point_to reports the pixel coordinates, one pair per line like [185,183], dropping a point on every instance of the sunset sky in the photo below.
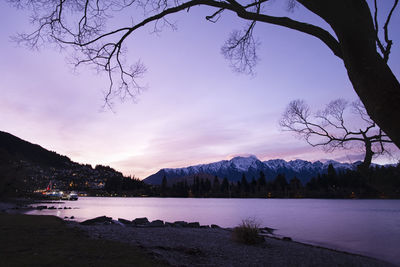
[195,108]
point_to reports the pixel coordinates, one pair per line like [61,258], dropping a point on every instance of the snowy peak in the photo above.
[251,166]
[244,163]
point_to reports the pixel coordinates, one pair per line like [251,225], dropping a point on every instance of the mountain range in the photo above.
[251,167]
[14,149]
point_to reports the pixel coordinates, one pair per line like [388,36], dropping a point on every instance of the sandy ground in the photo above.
[214,247]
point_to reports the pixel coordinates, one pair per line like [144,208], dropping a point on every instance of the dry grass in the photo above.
[46,241]
[247,233]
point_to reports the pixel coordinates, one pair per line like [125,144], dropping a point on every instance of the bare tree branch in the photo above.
[82,26]
[385,49]
[327,128]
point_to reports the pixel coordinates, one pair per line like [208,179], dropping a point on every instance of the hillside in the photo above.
[26,167]
[13,148]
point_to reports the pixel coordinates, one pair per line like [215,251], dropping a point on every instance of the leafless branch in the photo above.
[385,49]
[82,26]
[327,128]
[240,49]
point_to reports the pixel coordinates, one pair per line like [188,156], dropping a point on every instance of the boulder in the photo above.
[267,230]
[193,225]
[140,221]
[97,220]
[286,238]
[123,221]
[72,217]
[180,224]
[204,226]
[157,223]
[169,224]
[41,207]
[214,226]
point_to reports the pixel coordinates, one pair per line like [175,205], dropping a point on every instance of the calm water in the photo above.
[367,227]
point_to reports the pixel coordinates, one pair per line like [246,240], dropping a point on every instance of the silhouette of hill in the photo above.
[13,148]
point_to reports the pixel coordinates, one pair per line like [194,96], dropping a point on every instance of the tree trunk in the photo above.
[368,155]
[372,79]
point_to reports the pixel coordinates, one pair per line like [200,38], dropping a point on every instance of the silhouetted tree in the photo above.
[261,180]
[216,185]
[164,185]
[280,182]
[244,184]
[225,185]
[83,25]
[328,128]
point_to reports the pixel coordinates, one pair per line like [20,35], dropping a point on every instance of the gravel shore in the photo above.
[214,247]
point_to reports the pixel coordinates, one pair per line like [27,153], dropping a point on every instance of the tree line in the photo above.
[376,182]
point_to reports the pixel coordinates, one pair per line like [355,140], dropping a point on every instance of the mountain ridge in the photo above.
[251,167]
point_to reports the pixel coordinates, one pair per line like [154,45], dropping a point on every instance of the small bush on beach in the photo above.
[247,233]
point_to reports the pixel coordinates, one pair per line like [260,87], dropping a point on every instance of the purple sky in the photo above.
[195,110]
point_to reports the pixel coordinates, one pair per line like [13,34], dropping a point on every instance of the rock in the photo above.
[41,207]
[180,224]
[101,219]
[204,226]
[214,226]
[140,221]
[123,221]
[157,223]
[72,217]
[52,208]
[118,223]
[267,230]
[65,217]
[169,224]
[65,208]
[193,225]
[286,238]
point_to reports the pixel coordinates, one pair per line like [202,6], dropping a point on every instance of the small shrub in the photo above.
[247,233]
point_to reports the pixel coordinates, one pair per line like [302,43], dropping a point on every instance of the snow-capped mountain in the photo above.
[251,166]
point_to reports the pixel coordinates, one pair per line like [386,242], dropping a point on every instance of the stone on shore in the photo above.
[157,223]
[193,225]
[140,221]
[123,221]
[98,220]
[180,224]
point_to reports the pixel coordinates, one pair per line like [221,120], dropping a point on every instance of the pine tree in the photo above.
[261,180]
[164,185]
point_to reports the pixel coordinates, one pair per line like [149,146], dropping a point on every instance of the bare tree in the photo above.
[332,129]
[82,24]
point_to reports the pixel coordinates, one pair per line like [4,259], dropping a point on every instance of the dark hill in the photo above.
[16,149]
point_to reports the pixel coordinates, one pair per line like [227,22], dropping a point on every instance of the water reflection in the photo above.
[369,227]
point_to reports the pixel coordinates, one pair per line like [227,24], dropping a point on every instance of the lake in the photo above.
[367,227]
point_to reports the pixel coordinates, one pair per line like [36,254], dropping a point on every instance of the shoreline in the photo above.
[181,246]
